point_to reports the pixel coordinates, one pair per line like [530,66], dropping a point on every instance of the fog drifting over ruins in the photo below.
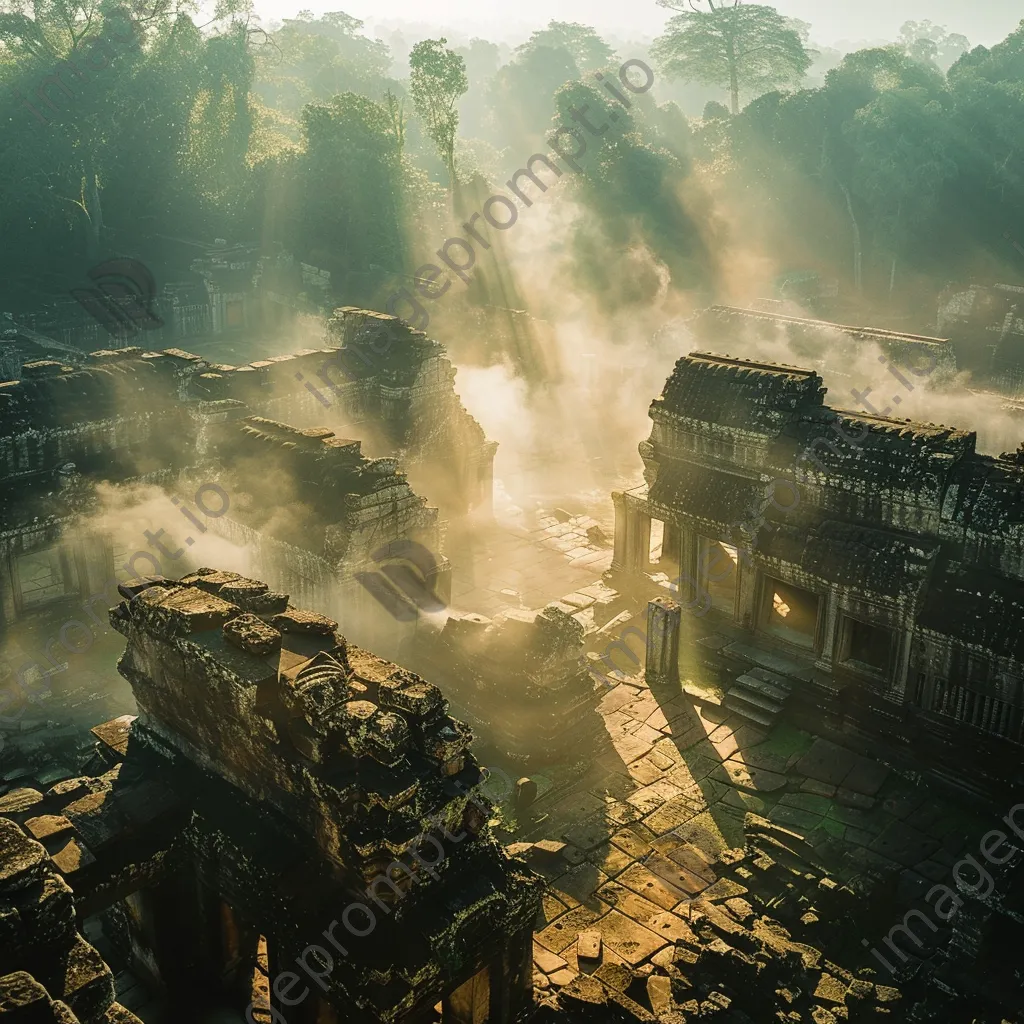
[512,516]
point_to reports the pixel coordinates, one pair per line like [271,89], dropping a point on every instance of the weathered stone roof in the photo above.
[883,451]
[69,396]
[894,462]
[279,466]
[853,555]
[738,392]
[986,496]
[388,345]
[707,494]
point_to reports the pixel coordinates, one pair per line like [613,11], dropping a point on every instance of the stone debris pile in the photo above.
[50,973]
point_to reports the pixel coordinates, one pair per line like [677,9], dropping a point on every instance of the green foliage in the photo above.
[217,143]
[521,97]
[310,59]
[742,48]
[630,189]
[349,177]
[437,80]
[932,44]
[482,60]
[1004,62]
[887,172]
[882,165]
[589,52]
[903,159]
[69,67]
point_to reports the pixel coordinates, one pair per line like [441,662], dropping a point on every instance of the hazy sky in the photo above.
[982,21]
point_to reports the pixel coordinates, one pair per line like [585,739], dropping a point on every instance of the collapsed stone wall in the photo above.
[521,678]
[343,762]
[49,972]
[772,936]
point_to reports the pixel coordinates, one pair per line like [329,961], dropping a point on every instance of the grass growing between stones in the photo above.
[785,740]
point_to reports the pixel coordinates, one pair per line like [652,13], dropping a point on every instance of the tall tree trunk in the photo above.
[734,80]
[858,255]
[449,159]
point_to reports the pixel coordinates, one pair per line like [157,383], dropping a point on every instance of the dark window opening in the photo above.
[45,576]
[790,613]
[866,645]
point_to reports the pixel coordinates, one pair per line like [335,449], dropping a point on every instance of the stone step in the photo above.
[772,678]
[749,681]
[748,711]
[755,699]
[772,661]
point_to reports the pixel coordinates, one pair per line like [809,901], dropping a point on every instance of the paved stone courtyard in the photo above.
[692,844]
[645,841]
[526,562]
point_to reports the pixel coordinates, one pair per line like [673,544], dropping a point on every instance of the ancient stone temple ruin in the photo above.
[382,381]
[521,679]
[986,325]
[48,972]
[319,513]
[863,567]
[63,428]
[280,788]
[325,522]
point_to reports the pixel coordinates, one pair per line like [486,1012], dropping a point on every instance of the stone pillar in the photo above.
[901,665]
[640,547]
[689,581]
[826,660]
[485,476]
[237,950]
[470,1003]
[293,996]
[183,937]
[632,535]
[663,622]
[181,940]
[747,586]
[8,602]
[526,793]
[439,582]
[619,556]
[516,990]
[10,362]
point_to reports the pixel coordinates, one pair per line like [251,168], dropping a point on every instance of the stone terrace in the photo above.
[697,829]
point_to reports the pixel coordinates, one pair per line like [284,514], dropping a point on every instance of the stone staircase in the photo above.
[759,696]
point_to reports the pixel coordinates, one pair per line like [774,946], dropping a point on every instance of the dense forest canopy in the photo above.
[890,169]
